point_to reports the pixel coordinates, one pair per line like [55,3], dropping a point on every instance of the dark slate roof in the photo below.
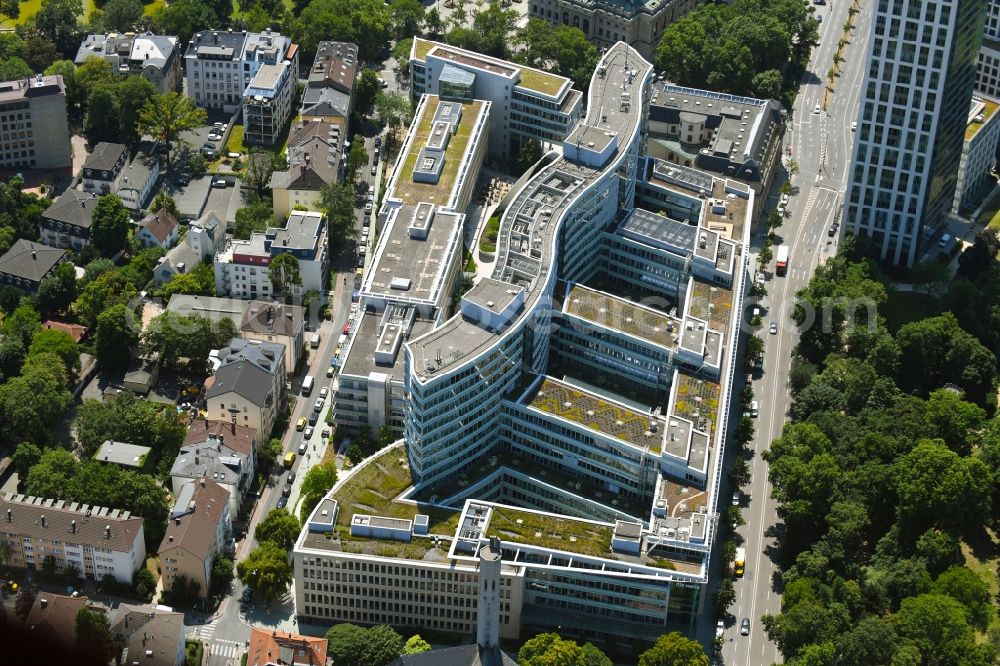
[105,156]
[30,261]
[26,513]
[244,378]
[73,207]
[276,318]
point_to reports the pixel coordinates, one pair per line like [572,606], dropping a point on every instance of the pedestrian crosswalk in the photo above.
[215,647]
[224,648]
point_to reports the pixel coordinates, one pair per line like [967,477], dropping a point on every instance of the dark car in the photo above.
[291,476]
[745,626]
[832,231]
[313,418]
[378,140]
[282,502]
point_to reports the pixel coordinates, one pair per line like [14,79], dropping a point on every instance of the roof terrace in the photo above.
[980,106]
[712,304]
[609,418]
[621,315]
[698,401]
[409,191]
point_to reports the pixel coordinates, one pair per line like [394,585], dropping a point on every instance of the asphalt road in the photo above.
[226,632]
[821,144]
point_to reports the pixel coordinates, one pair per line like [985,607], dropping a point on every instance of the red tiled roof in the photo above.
[268,646]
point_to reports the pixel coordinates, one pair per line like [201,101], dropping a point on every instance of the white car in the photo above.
[323,392]
[854,126]
[816,109]
[308,433]
[784,199]
[720,629]
[774,327]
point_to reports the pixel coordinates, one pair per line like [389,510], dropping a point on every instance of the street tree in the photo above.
[674,649]
[284,271]
[317,482]
[382,646]
[165,116]
[337,199]
[133,93]
[724,596]
[222,574]
[279,527]
[393,112]
[266,570]
[365,90]
[357,160]
[550,648]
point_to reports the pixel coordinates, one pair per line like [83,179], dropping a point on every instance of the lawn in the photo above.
[982,560]
[30,7]
[902,307]
[235,142]
[153,564]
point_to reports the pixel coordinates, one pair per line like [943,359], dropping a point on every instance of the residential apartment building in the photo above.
[565,415]
[26,264]
[148,635]
[156,58]
[139,178]
[97,541]
[52,619]
[316,158]
[639,23]
[222,452]
[248,386]
[266,321]
[525,103]
[160,229]
[34,128]
[269,647]
[329,94]
[205,237]
[267,104]
[197,529]
[66,222]
[979,154]
[242,268]
[103,169]
[911,122]
[220,65]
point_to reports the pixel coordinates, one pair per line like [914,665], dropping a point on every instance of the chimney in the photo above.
[44,603]
[34,253]
[107,531]
[43,520]
[72,526]
[10,516]
[170,538]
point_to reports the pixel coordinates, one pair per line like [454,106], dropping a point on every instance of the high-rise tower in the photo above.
[912,119]
[488,612]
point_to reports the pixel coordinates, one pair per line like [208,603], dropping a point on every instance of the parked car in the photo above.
[330,371]
[374,169]
[220,182]
[368,208]
[378,142]
[313,418]
[720,628]
[346,329]
[323,392]
[318,406]
[287,490]
[291,476]
[308,433]
[282,502]
[736,498]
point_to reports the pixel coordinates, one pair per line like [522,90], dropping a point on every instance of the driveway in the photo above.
[191,198]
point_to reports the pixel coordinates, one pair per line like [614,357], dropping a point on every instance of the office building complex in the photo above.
[911,122]
[732,136]
[568,413]
[153,57]
[97,541]
[242,268]
[34,129]
[978,154]
[220,65]
[525,103]
[639,23]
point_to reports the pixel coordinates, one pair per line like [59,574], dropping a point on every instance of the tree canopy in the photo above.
[891,459]
[278,527]
[266,570]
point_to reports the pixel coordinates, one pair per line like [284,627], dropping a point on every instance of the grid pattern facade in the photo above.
[912,121]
